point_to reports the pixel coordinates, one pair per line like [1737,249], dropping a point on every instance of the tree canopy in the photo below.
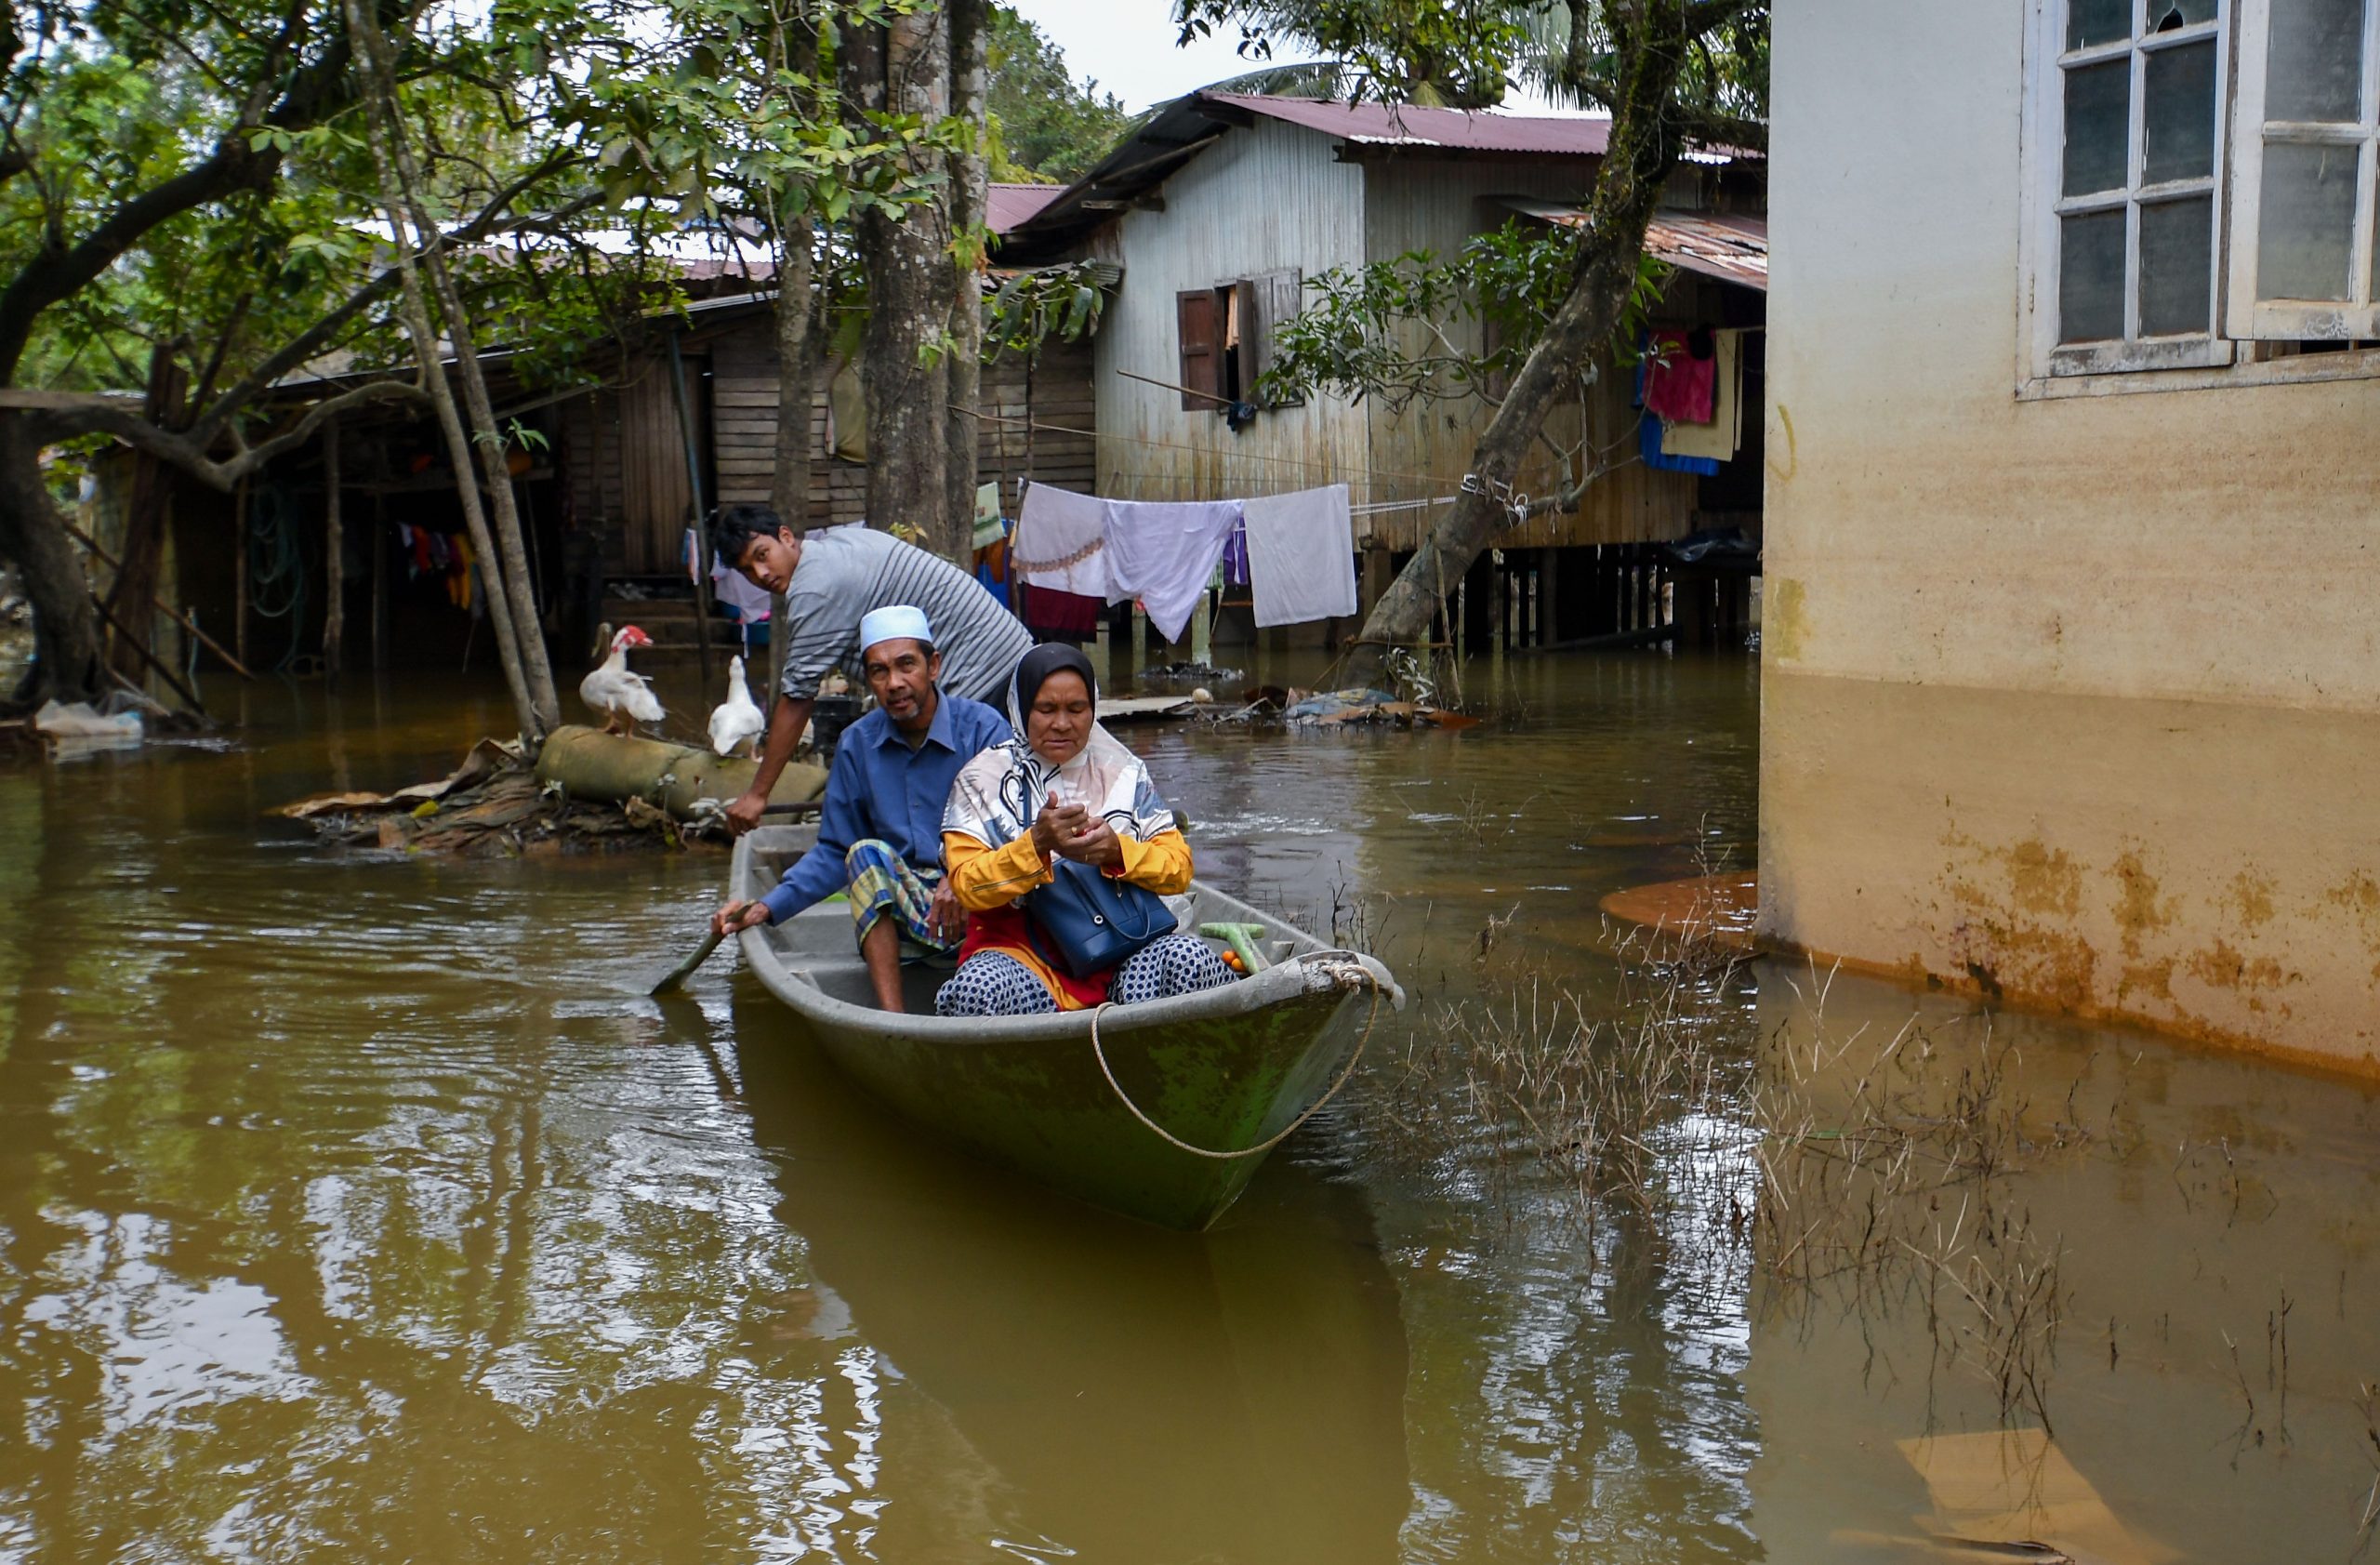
[1051,127]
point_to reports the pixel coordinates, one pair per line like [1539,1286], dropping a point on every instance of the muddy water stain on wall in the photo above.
[2006,842]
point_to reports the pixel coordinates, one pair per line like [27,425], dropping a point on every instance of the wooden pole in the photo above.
[380,582]
[240,570]
[694,489]
[187,624]
[125,638]
[333,549]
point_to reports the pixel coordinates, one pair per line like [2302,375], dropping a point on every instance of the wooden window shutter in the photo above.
[1202,358]
[1266,303]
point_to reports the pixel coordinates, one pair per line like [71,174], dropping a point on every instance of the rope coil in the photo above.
[1287,1131]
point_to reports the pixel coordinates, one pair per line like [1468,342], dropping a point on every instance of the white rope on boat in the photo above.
[1287,1131]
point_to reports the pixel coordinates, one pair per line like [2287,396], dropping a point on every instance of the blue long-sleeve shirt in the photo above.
[880,787]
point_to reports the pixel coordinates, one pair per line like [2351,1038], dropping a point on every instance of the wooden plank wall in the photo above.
[626,469]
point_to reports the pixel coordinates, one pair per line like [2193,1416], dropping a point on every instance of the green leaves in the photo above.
[1420,328]
[1031,307]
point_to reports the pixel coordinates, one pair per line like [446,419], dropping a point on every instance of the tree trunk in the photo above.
[505,569]
[969,72]
[904,69]
[67,661]
[381,130]
[1628,186]
[798,361]
[148,509]
[334,553]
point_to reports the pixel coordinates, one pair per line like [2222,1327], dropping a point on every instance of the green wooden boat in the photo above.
[1103,1107]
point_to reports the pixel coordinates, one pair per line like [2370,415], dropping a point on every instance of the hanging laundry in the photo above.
[990,525]
[1233,569]
[1070,616]
[992,559]
[1302,556]
[1163,552]
[421,563]
[1677,385]
[1720,437]
[1060,542]
[1649,436]
[459,573]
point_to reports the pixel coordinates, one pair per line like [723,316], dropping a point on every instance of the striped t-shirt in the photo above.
[846,572]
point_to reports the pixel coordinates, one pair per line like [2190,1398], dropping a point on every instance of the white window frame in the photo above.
[2043,163]
[2244,315]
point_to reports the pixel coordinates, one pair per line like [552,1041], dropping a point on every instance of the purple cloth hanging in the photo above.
[1236,556]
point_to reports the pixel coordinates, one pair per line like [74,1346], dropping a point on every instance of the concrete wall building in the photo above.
[2072,644]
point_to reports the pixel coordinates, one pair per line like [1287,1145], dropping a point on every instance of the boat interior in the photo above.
[818,945]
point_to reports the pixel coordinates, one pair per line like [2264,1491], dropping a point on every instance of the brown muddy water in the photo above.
[359,1207]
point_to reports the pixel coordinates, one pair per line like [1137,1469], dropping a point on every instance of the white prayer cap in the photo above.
[892,622]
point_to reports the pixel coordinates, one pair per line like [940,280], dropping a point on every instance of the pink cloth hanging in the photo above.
[1678,386]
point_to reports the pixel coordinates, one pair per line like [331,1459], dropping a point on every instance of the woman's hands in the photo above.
[1071,832]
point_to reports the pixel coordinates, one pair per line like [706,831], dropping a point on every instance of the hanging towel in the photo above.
[1648,435]
[1302,556]
[1724,434]
[1678,384]
[1164,553]
[1068,614]
[1060,542]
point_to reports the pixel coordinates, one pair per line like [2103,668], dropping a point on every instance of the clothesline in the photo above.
[1370,507]
[1295,552]
[1307,464]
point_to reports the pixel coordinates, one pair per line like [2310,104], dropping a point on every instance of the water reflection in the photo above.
[1119,1391]
[361,1206]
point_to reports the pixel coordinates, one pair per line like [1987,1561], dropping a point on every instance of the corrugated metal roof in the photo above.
[1730,247]
[1485,130]
[1006,206]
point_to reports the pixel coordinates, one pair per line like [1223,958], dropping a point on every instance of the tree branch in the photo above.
[315,338]
[63,415]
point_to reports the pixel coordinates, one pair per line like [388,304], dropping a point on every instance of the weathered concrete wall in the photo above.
[2070,698]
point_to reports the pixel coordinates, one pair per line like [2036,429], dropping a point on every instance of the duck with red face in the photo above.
[617,693]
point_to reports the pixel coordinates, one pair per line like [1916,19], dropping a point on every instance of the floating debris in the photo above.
[497,805]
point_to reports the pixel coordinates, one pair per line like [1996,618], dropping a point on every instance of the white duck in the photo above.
[735,722]
[623,696]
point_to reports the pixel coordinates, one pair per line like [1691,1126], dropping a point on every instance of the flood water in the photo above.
[359,1206]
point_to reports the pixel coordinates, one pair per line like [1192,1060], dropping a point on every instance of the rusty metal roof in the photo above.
[1727,245]
[1006,206]
[1485,131]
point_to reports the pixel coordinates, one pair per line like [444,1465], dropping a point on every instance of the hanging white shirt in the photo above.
[1061,541]
[1164,553]
[1302,556]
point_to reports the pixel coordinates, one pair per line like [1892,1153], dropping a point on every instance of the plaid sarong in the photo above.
[884,884]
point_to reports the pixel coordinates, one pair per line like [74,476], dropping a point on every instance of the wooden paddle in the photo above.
[685,969]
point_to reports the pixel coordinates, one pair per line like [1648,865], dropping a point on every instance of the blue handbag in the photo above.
[1090,923]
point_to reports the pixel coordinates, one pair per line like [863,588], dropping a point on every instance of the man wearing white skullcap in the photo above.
[879,830]
[825,582]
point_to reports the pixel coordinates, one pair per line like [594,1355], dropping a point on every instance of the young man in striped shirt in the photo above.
[830,579]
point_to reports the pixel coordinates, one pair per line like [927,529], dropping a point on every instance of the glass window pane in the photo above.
[2308,224]
[2090,277]
[2098,126]
[2096,21]
[2177,113]
[2177,267]
[2167,16]
[2315,69]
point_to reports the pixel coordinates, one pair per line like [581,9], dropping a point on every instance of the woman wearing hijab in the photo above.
[1061,789]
